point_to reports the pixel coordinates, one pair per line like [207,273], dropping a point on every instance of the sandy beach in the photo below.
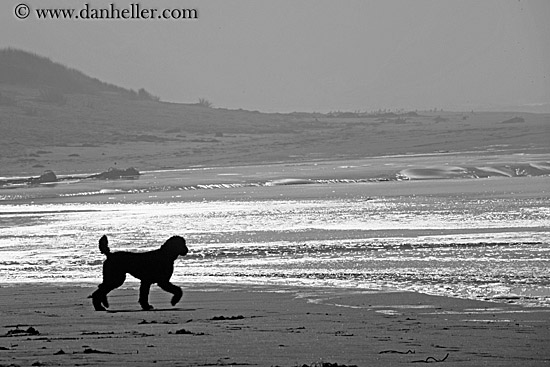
[230,326]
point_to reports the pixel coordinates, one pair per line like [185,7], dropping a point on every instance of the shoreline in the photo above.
[124,192]
[319,287]
[228,325]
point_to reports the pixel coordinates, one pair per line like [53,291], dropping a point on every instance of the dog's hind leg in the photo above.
[99,297]
[144,296]
[174,289]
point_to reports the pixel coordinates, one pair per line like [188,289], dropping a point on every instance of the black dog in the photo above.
[150,267]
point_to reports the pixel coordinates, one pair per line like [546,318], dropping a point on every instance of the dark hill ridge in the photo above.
[23,68]
[56,118]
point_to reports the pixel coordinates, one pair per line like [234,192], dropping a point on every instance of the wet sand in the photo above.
[225,325]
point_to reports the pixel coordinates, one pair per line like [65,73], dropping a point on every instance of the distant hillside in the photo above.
[19,67]
[56,118]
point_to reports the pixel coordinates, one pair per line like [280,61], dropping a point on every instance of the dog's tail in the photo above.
[104,246]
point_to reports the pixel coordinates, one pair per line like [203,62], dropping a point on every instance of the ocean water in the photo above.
[459,241]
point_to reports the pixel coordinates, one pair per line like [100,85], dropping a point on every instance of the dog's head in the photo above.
[175,246]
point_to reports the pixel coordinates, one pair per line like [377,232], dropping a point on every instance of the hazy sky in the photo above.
[313,55]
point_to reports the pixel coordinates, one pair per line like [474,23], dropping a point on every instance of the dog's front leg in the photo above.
[99,298]
[174,289]
[144,296]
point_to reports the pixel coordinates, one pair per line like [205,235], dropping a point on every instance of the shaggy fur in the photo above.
[152,267]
